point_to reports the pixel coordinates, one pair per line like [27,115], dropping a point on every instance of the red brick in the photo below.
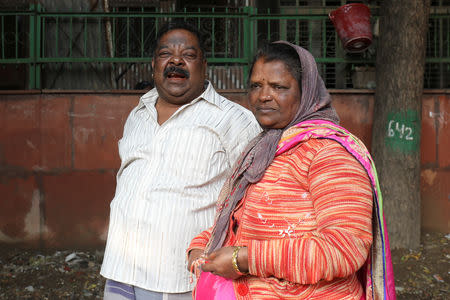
[435,194]
[19,209]
[444,132]
[97,127]
[77,208]
[428,135]
[355,112]
[56,133]
[19,134]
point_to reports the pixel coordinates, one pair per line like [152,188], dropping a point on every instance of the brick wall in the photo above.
[58,160]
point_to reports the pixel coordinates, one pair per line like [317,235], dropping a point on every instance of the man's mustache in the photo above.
[175,70]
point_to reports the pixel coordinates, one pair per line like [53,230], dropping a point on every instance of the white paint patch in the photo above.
[31,145]
[104,234]
[83,134]
[90,115]
[7,239]
[32,219]
[32,222]
[39,168]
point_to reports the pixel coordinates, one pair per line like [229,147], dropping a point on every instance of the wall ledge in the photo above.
[230,91]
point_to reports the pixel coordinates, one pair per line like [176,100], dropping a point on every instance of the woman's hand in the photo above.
[194,254]
[219,262]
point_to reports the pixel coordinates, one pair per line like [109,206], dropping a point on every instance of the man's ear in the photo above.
[153,64]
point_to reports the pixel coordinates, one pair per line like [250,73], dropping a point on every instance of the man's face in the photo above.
[179,67]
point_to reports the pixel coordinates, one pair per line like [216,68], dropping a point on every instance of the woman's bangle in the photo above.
[234,261]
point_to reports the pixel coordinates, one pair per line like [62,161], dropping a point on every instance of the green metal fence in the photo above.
[114,48]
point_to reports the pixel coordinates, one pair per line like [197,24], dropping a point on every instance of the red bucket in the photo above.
[352,23]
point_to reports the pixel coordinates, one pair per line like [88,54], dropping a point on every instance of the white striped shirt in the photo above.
[169,172]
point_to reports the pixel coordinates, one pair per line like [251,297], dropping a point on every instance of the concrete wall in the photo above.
[58,160]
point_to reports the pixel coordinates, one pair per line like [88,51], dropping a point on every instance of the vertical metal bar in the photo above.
[297,31]
[38,47]
[99,52]
[213,34]
[142,32]
[112,19]
[435,37]
[70,36]
[56,35]
[283,27]
[32,41]
[16,18]
[248,39]
[448,39]
[85,37]
[114,35]
[226,32]
[240,23]
[198,20]
[253,35]
[324,38]
[43,36]
[128,33]
[434,48]
[3,36]
[310,38]
[324,49]
[441,53]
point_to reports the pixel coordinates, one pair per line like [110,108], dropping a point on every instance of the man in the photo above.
[177,147]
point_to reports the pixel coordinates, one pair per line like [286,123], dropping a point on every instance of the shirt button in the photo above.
[242,289]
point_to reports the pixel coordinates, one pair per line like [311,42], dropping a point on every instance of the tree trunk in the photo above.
[397,115]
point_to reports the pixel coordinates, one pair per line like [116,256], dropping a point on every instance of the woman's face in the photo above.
[274,94]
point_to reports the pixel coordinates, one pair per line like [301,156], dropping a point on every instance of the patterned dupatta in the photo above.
[379,275]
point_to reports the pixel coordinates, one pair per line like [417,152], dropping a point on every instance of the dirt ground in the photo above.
[69,274]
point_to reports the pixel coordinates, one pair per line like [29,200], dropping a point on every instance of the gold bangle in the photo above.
[234,261]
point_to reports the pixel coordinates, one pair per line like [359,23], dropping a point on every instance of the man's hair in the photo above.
[284,53]
[180,24]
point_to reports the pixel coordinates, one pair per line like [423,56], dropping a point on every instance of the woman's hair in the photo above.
[281,52]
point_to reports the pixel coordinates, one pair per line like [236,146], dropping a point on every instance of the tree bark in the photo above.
[400,67]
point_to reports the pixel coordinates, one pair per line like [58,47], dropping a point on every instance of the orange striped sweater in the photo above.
[307,225]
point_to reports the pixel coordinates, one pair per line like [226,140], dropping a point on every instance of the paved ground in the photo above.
[70,274]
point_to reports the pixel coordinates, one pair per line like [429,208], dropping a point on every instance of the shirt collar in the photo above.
[209,94]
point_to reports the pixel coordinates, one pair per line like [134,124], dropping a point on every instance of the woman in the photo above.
[294,220]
